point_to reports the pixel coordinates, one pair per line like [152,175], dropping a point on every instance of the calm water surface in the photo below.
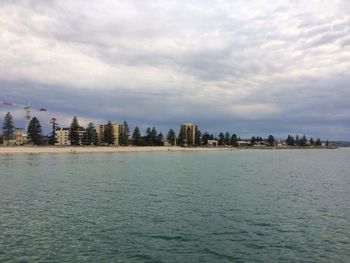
[234,206]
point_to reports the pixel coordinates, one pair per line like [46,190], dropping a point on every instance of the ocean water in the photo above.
[234,206]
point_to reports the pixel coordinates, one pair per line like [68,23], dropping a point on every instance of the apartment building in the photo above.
[117,132]
[187,134]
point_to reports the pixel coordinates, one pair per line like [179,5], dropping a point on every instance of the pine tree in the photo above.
[302,141]
[8,128]
[171,136]
[125,134]
[198,136]
[318,142]
[271,140]
[221,139]
[52,138]
[181,138]
[74,136]
[234,141]
[108,136]
[312,142]
[34,131]
[159,140]
[290,140]
[205,138]
[227,138]
[136,137]
[91,135]
[253,141]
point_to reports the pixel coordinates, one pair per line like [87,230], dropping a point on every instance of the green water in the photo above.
[235,206]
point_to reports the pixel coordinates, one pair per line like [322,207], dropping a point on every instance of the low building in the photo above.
[212,143]
[62,136]
[21,138]
[243,143]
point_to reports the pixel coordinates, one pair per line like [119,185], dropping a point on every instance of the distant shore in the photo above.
[101,149]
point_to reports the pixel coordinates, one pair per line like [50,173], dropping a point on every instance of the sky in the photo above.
[250,67]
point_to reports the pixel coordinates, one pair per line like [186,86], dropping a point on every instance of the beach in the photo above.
[100,149]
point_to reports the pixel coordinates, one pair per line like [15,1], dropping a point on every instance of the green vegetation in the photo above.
[74,136]
[8,128]
[108,135]
[52,137]
[34,132]
[171,137]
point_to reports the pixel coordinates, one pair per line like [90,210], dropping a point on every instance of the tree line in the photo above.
[78,135]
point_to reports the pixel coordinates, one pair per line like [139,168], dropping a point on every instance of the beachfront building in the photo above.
[21,137]
[117,132]
[62,136]
[187,135]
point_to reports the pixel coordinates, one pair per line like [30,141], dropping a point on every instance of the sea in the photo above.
[205,206]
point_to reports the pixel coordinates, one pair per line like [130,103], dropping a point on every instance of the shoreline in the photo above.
[101,149]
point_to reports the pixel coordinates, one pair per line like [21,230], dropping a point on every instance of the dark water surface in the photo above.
[235,206]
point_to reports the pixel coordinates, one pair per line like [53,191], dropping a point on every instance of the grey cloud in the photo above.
[216,54]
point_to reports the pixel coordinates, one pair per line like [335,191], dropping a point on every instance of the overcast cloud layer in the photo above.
[250,67]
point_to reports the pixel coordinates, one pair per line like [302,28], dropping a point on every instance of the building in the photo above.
[21,138]
[62,136]
[212,143]
[117,129]
[187,135]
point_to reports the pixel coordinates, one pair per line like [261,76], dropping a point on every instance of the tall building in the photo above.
[187,135]
[117,131]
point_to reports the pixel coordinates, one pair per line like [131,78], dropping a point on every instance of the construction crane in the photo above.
[27,109]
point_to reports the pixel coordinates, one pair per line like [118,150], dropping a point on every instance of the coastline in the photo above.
[101,149]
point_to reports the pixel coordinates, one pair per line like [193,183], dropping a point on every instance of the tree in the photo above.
[124,140]
[221,139]
[136,137]
[91,135]
[234,141]
[159,140]
[205,138]
[227,138]
[312,142]
[302,141]
[271,140]
[74,136]
[318,142]
[8,128]
[171,136]
[327,143]
[108,135]
[181,138]
[34,131]
[297,141]
[52,138]
[253,141]
[290,140]
[198,136]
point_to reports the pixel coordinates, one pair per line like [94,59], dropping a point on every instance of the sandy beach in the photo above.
[87,149]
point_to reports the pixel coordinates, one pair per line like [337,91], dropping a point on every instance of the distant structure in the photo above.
[187,135]
[117,130]
[21,137]
[62,136]
[213,143]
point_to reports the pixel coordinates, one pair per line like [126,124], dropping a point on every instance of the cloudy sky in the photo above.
[252,67]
